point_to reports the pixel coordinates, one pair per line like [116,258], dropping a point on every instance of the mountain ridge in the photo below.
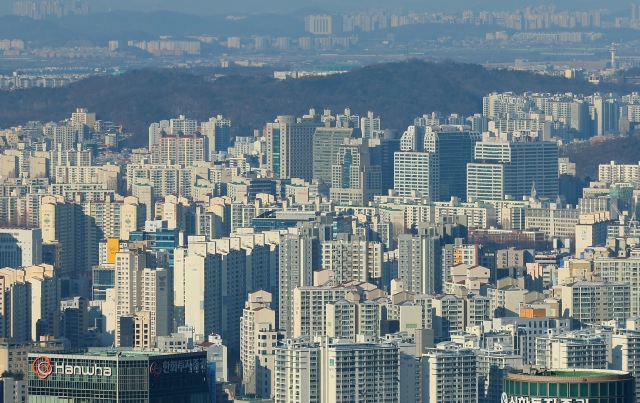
[397,92]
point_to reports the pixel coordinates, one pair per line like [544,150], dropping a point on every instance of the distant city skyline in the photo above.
[211,7]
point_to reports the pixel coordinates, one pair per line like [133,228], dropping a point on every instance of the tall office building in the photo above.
[290,146]
[511,165]
[417,173]
[218,131]
[382,148]
[355,180]
[605,113]
[452,150]
[326,141]
[369,125]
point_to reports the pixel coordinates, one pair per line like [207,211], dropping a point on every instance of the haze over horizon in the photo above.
[211,7]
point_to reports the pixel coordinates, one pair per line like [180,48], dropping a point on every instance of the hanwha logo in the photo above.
[155,368]
[41,366]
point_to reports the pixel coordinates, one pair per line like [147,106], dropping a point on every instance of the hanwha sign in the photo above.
[155,368]
[41,366]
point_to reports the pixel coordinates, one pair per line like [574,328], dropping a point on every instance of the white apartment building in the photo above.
[197,278]
[309,307]
[155,132]
[505,301]
[478,310]
[127,266]
[83,116]
[590,302]
[359,372]
[340,320]
[369,125]
[492,366]
[419,262]
[64,138]
[625,346]
[449,316]
[479,214]
[297,372]
[107,174]
[184,125]
[258,339]
[182,150]
[617,173]
[625,270]
[20,247]
[449,375]
[353,260]
[554,221]
[13,390]
[218,309]
[70,157]
[164,179]
[318,24]
[296,270]
[155,297]
[577,349]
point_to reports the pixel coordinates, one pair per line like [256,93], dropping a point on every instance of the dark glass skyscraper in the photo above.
[453,150]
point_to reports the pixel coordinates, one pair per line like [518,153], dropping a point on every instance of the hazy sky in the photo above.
[226,6]
[208,7]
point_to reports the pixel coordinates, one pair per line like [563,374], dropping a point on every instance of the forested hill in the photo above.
[397,92]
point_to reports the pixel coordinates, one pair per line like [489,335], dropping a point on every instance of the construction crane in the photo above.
[633,223]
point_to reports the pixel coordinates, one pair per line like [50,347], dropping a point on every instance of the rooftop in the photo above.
[97,352]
